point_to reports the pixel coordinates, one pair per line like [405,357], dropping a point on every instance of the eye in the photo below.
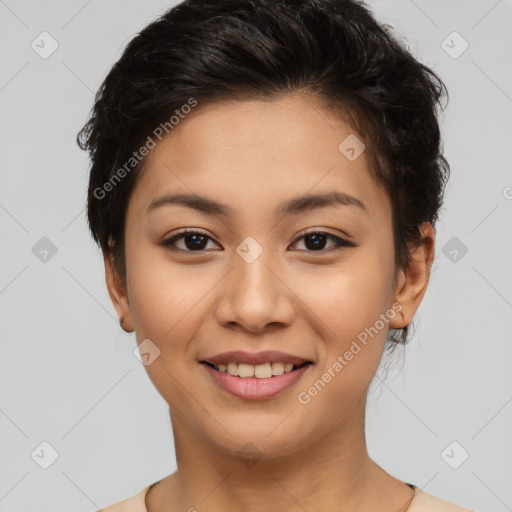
[194,241]
[316,240]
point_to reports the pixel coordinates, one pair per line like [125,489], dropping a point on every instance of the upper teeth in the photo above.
[260,371]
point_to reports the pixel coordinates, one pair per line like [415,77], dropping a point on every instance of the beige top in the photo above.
[422,502]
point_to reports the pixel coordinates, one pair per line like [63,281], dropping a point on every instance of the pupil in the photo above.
[198,241]
[317,241]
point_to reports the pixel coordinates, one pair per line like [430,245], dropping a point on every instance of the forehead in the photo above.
[253,154]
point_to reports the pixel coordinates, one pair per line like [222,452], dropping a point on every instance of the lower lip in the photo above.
[252,388]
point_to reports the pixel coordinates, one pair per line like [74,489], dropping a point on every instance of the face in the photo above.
[313,281]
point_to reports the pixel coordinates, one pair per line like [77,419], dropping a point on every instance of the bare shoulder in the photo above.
[424,502]
[135,503]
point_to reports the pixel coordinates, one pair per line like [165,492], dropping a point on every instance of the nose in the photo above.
[255,296]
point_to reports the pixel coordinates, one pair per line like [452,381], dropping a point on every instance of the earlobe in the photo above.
[412,282]
[117,293]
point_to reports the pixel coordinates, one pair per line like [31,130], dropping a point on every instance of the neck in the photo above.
[333,473]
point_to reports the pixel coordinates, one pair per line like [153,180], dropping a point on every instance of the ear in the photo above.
[412,282]
[118,293]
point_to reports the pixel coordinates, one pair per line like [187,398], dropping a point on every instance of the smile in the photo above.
[255,382]
[259,371]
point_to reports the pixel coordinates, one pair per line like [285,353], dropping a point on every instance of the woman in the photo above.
[265,181]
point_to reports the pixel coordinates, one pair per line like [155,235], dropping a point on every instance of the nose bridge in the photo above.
[253,274]
[252,294]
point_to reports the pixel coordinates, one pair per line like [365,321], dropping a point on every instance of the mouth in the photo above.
[268,370]
[255,376]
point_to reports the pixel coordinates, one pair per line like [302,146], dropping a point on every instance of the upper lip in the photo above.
[267,356]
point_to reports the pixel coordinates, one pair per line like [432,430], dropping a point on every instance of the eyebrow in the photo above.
[292,206]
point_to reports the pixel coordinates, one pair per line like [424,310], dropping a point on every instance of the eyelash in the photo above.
[340,242]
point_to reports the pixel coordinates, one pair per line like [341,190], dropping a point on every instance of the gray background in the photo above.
[68,373]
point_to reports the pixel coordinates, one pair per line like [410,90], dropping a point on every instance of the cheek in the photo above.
[163,301]
[162,295]
[350,297]
[348,302]
[354,339]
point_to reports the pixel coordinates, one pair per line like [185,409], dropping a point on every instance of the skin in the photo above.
[252,155]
